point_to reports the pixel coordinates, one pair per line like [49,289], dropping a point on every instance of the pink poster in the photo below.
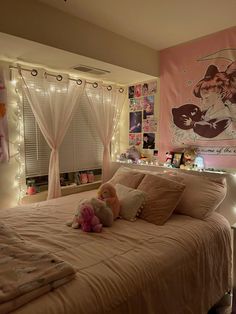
[198,96]
[4,156]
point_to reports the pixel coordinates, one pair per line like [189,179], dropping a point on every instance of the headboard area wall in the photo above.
[227,208]
[198,98]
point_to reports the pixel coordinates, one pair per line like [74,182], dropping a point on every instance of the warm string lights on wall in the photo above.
[115,141]
[19,181]
[15,71]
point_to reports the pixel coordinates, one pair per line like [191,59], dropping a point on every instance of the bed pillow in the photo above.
[127,177]
[202,195]
[163,196]
[131,201]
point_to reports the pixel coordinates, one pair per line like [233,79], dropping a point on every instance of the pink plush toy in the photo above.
[87,219]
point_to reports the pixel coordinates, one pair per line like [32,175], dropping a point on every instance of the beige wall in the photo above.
[32,20]
[35,21]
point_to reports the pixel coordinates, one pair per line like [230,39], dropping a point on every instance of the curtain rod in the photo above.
[59,77]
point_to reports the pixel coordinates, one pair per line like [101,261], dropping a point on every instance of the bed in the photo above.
[183,266]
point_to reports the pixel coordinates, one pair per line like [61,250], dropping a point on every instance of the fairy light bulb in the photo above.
[14,82]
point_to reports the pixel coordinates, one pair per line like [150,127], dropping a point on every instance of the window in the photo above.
[81,148]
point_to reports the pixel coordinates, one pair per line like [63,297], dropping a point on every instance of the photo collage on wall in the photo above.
[142,115]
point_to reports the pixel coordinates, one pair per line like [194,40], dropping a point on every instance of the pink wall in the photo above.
[179,73]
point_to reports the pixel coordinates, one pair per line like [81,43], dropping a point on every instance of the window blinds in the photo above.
[81,148]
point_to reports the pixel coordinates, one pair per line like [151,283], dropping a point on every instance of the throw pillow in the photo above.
[163,196]
[202,195]
[127,177]
[131,201]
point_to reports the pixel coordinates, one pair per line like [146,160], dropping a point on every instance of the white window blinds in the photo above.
[81,148]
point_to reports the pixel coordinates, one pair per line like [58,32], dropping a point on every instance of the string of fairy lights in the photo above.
[19,155]
[115,141]
[18,142]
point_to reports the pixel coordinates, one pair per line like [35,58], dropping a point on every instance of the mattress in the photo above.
[137,267]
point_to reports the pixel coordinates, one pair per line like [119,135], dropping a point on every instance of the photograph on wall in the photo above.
[149,125]
[135,139]
[145,89]
[131,91]
[135,122]
[135,104]
[148,106]
[138,90]
[149,140]
[152,87]
[4,150]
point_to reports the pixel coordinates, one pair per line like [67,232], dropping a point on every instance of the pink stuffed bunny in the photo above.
[87,219]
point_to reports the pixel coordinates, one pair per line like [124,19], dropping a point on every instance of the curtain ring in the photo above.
[79,82]
[95,84]
[121,90]
[109,88]
[34,72]
[59,77]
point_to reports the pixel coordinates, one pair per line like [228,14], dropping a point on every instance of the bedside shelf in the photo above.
[65,190]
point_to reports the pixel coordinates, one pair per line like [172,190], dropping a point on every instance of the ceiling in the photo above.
[155,23]
[26,52]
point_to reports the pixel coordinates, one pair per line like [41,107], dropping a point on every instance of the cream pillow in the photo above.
[131,201]
[127,177]
[163,196]
[202,195]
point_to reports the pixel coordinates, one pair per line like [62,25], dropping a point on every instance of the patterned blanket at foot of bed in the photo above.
[27,271]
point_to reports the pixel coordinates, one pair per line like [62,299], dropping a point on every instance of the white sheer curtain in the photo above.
[53,103]
[106,103]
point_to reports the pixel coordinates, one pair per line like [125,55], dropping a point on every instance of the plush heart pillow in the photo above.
[131,201]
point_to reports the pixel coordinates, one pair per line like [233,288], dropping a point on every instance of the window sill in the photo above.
[65,190]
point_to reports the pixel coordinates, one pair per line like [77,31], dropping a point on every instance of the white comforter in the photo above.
[133,267]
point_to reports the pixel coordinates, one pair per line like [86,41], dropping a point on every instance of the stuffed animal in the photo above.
[199,163]
[169,157]
[106,207]
[87,219]
[107,193]
[133,153]
[75,222]
[102,211]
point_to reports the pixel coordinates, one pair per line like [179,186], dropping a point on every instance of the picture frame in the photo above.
[177,159]
[155,153]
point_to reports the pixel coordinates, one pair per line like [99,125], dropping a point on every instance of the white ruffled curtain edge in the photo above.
[54,189]
[106,140]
